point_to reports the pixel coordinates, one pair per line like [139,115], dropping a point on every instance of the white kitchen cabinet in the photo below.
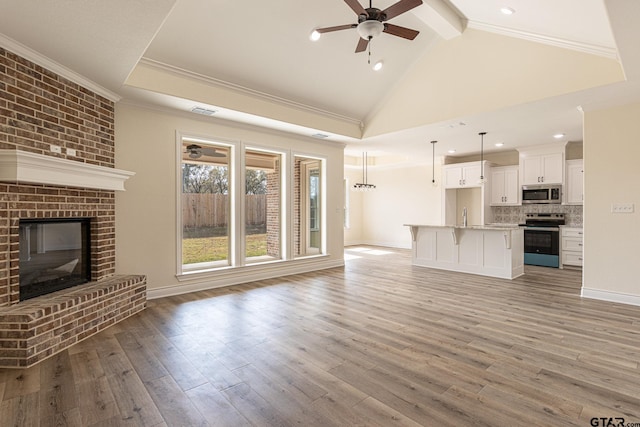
[462,175]
[505,188]
[575,182]
[571,246]
[543,169]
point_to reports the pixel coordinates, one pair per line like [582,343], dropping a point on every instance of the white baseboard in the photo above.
[235,276]
[397,245]
[610,296]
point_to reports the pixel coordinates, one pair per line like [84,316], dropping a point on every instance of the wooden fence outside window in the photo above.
[211,210]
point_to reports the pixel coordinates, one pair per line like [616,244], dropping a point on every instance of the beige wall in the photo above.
[612,175]
[498,158]
[353,234]
[403,196]
[146,232]
[481,71]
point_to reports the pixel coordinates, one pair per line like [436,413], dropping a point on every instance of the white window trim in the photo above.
[237,237]
[233,147]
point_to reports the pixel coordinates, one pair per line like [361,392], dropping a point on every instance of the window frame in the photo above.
[237,187]
[232,146]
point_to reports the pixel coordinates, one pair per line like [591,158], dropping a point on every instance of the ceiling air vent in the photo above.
[203,111]
[319,135]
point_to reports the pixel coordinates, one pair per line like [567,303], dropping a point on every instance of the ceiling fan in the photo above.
[372,22]
[196,151]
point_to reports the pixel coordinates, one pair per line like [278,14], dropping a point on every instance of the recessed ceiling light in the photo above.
[451,151]
[314,36]
[507,10]
[499,144]
[558,135]
[378,66]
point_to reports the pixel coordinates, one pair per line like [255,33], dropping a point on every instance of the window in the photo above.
[309,212]
[263,184]
[205,205]
[244,205]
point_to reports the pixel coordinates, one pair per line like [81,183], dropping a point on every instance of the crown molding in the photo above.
[24,166]
[37,58]
[246,91]
[607,52]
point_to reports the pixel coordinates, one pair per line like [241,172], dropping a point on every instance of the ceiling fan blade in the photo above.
[362,45]
[211,152]
[396,30]
[336,28]
[400,7]
[357,7]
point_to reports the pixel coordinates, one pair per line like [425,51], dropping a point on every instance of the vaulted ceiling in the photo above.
[519,77]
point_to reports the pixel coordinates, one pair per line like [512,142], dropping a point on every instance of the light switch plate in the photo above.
[622,207]
[55,149]
[71,152]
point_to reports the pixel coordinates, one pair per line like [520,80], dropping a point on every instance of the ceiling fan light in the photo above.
[378,66]
[370,28]
[314,36]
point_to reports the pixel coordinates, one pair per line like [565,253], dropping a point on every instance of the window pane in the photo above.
[308,206]
[205,205]
[262,206]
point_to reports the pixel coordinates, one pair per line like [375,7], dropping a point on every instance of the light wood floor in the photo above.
[378,343]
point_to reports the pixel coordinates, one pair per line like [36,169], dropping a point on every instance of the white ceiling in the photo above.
[264,47]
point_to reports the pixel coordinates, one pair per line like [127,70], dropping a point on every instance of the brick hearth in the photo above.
[40,327]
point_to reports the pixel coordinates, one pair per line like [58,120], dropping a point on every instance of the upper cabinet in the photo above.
[462,175]
[543,169]
[574,193]
[505,188]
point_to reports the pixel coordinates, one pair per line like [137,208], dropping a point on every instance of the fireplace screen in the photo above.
[54,255]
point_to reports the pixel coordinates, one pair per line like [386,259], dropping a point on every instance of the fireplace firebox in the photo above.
[54,255]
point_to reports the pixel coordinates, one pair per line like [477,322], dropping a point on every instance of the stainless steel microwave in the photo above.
[541,194]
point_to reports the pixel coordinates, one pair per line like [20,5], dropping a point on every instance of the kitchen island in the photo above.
[488,250]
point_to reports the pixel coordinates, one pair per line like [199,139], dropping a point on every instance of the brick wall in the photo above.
[296,206]
[273,211]
[37,109]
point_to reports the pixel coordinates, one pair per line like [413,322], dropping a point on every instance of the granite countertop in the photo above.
[500,227]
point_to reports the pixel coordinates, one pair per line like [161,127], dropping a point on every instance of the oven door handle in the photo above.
[542,228]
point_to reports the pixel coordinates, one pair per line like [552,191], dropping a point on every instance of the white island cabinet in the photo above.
[496,251]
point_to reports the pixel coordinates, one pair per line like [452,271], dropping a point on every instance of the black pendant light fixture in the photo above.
[482,134]
[433,163]
[364,186]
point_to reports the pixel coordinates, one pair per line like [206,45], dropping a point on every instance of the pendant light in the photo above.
[482,134]
[433,163]
[363,186]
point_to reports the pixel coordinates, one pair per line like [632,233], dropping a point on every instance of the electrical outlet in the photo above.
[71,152]
[55,149]
[622,207]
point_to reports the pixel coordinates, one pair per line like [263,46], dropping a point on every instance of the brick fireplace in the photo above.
[49,117]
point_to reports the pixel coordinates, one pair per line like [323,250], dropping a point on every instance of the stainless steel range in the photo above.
[542,239]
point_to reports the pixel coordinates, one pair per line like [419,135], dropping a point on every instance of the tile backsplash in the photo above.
[516,214]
